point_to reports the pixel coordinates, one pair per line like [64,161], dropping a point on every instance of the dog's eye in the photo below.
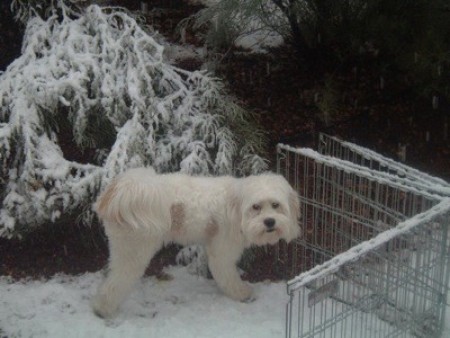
[275,205]
[256,207]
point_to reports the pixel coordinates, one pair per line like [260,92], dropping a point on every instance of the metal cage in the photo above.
[373,260]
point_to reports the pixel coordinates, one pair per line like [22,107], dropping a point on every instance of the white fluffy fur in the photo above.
[141,211]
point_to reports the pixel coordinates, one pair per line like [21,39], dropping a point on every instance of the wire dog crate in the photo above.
[373,260]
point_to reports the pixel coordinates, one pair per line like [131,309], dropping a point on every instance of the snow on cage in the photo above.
[374,259]
[90,96]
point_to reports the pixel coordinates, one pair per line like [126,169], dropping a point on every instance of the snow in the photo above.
[185,306]
[255,26]
[259,40]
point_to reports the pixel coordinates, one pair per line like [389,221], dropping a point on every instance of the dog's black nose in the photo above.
[269,222]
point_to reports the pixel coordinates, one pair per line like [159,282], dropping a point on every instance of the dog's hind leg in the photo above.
[130,254]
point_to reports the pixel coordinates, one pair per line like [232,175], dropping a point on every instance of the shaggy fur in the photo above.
[141,211]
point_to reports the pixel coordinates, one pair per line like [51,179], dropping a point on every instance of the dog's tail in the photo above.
[132,200]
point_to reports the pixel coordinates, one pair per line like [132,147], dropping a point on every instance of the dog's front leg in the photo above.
[222,259]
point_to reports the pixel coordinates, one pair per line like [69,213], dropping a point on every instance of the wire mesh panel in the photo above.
[332,146]
[373,258]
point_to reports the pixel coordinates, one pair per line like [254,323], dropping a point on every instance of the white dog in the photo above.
[141,211]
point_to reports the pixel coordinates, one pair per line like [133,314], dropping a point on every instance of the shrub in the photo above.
[95,83]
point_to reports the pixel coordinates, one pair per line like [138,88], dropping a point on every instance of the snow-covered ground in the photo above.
[185,306]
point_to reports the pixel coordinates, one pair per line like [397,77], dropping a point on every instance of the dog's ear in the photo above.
[294,212]
[234,204]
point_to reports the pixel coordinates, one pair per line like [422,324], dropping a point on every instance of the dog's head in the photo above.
[269,209]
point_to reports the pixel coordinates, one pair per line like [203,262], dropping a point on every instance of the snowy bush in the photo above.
[25,9]
[96,82]
[251,24]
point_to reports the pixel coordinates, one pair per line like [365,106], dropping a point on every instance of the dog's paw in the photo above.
[242,293]
[102,308]
[249,300]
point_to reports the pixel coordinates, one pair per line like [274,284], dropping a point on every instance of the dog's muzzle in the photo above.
[270,224]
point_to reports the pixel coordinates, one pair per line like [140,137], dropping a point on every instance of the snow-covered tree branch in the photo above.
[102,75]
